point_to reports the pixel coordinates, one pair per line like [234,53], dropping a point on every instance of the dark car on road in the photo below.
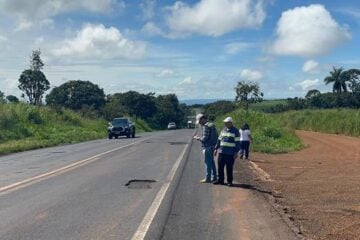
[121,127]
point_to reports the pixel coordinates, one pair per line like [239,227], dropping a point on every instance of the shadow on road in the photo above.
[122,138]
[251,187]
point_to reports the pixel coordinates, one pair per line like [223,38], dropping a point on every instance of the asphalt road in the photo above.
[78,192]
[205,211]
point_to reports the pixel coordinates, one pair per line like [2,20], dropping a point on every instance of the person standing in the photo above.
[245,140]
[227,148]
[208,140]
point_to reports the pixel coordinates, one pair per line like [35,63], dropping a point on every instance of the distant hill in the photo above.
[190,102]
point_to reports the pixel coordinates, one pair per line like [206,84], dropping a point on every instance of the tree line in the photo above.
[345,93]
[90,100]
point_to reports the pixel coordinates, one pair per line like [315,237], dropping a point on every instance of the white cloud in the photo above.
[236,47]
[307,32]
[308,84]
[352,12]
[214,17]
[10,86]
[36,11]
[186,81]
[166,73]
[310,66]
[185,88]
[39,40]
[148,9]
[250,75]
[3,39]
[204,87]
[151,29]
[97,41]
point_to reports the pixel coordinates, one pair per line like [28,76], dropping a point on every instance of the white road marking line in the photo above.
[66,168]
[149,217]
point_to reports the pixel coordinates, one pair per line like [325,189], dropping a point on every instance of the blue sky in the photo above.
[196,49]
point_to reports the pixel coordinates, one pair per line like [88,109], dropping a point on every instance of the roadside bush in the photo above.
[272,132]
[337,121]
[24,127]
[35,118]
[269,135]
[212,110]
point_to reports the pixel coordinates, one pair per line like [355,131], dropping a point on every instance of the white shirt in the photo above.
[245,135]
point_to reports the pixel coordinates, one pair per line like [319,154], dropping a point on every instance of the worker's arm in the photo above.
[217,146]
[237,143]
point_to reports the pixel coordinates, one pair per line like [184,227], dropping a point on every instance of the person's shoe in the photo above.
[205,181]
[214,180]
[230,184]
[218,183]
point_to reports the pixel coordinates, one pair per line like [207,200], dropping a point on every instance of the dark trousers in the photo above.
[228,161]
[244,149]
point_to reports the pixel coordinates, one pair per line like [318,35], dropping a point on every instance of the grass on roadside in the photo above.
[25,127]
[269,134]
[267,104]
[142,126]
[337,121]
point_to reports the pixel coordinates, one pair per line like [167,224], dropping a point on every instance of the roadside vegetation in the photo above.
[75,111]
[25,127]
[266,105]
[268,133]
[273,122]
[337,121]
[79,110]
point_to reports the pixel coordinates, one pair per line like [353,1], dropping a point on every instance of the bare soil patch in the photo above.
[319,186]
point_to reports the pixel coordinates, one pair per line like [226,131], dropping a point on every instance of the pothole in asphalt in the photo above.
[140,184]
[177,143]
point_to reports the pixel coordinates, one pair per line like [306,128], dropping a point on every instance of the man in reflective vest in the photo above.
[227,147]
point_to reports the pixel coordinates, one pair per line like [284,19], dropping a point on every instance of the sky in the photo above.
[197,49]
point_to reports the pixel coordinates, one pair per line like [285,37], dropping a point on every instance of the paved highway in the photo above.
[92,191]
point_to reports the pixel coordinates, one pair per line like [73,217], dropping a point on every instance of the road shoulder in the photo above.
[205,211]
[317,188]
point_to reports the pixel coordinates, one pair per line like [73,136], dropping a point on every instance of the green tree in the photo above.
[33,81]
[12,99]
[2,97]
[113,107]
[218,108]
[137,104]
[339,78]
[76,95]
[354,78]
[130,103]
[168,110]
[248,92]
[312,93]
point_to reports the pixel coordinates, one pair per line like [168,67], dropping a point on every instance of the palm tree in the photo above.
[339,78]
